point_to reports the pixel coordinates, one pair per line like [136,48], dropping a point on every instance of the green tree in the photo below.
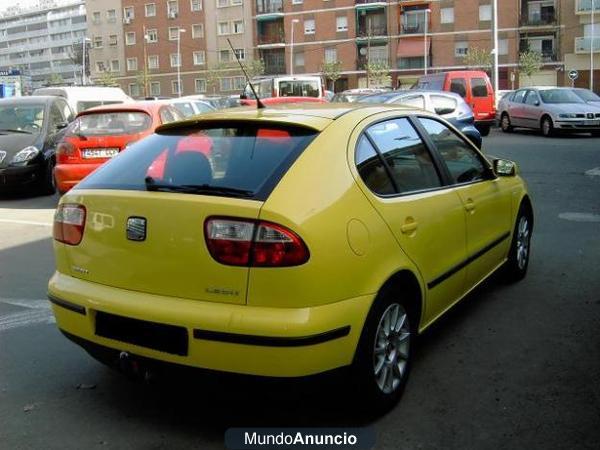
[378,74]
[214,75]
[331,71]
[530,62]
[106,79]
[255,68]
[54,79]
[143,80]
[478,58]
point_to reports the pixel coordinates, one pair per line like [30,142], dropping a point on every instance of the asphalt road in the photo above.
[513,366]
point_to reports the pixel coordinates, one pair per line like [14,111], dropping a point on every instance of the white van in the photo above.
[81,98]
[285,86]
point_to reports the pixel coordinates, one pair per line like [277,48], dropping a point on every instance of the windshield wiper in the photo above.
[152,185]
[14,130]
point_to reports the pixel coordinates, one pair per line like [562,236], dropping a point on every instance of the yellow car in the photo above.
[285,242]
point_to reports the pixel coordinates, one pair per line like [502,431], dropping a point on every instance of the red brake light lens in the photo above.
[238,242]
[66,152]
[69,223]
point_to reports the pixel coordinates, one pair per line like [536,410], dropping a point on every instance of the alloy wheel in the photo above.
[523,238]
[391,348]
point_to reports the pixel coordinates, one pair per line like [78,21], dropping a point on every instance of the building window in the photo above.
[297,2]
[150,9]
[330,54]
[200,85]
[173,32]
[112,40]
[96,17]
[222,3]
[485,13]
[175,60]
[172,8]
[461,48]
[199,58]
[132,64]
[175,88]
[130,38]
[447,15]
[238,27]
[115,66]
[413,62]
[153,62]
[309,26]
[155,88]
[223,28]
[196,5]
[236,2]
[111,16]
[224,56]
[341,23]
[100,67]
[128,13]
[299,59]
[134,90]
[197,31]
[502,46]
[98,42]
[151,35]
[226,84]
[240,53]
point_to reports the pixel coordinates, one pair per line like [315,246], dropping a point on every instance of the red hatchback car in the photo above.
[98,134]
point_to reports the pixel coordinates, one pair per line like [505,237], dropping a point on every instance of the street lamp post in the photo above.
[294,21]
[83,47]
[179,31]
[495,50]
[592,48]
[425,49]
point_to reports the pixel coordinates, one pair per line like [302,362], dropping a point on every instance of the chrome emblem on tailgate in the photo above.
[136,228]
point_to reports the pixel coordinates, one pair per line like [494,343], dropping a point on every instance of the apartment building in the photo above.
[300,35]
[39,41]
[106,41]
[183,45]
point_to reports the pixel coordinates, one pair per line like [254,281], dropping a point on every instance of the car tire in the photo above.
[505,123]
[48,182]
[547,127]
[484,130]
[519,254]
[384,354]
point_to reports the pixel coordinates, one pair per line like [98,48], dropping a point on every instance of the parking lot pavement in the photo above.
[513,366]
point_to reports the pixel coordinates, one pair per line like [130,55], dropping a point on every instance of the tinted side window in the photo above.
[532,98]
[519,96]
[417,101]
[478,87]
[459,86]
[406,155]
[56,116]
[66,109]
[464,164]
[166,115]
[442,103]
[371,168]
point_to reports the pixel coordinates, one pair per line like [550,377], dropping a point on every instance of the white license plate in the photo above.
[90,153]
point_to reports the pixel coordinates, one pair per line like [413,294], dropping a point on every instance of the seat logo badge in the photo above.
[2,155]
[136,229]
[590,115]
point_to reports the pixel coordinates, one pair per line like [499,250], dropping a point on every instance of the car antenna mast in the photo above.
[259,103]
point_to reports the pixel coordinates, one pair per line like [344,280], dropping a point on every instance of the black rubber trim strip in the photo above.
[272,341]
[443,277]
[67,305]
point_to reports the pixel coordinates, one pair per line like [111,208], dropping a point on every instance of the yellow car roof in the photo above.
[312,115]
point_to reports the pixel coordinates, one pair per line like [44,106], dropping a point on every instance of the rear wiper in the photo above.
[152,185]
[14,130]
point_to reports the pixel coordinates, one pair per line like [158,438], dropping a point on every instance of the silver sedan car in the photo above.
[548,109]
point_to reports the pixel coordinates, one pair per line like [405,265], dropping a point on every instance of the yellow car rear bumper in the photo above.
[280,342]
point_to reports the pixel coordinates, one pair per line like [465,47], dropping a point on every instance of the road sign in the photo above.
[573,75]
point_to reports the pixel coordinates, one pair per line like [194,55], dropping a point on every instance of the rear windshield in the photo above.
[113,124]
[245,160]
[298,88]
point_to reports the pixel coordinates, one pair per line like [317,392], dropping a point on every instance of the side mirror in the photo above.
[62,125]
[443,111]
[536,103]
[505,168]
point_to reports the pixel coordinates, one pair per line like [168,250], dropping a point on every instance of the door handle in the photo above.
[409,226]
[470,205]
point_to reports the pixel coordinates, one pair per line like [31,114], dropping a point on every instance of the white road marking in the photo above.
[38,311]
[595,172]
[26,222]
[580,217]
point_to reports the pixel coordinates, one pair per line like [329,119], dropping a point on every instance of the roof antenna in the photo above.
[259,104]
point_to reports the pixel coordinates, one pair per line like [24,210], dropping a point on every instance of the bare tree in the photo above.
[331,71]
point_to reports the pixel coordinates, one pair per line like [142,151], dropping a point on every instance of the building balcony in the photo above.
[413,28]
[369,4]
[361,62]
[538,20]
[269,7]
[363,32]
[584,44]
[271,39]
[585,6]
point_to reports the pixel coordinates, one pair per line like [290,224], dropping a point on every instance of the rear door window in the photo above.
[233,160]
[459,86]
[532,98]
[443,105]
[402,154]
[418,101]
[479,87]
[519,96]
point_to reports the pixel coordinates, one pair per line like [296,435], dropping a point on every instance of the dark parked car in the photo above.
[449,105]
[30,130]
